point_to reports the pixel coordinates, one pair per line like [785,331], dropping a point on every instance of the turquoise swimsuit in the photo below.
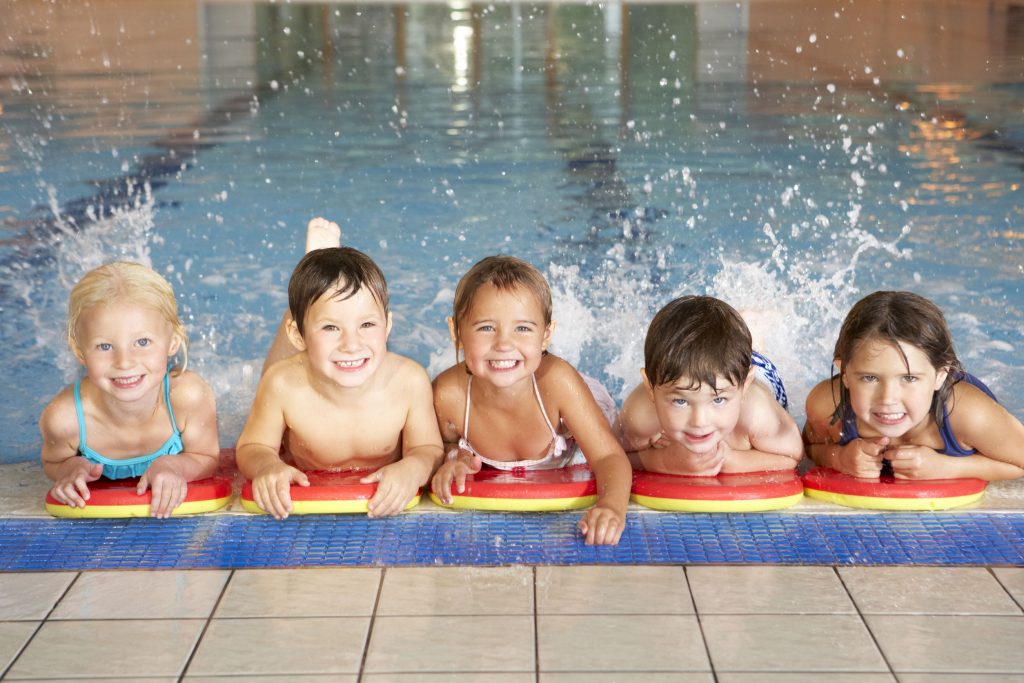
[127,467]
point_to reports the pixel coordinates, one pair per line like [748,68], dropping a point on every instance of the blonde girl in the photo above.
[903,397]
[510,404]
[132,415]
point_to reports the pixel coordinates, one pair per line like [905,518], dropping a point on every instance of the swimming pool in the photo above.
[779,157]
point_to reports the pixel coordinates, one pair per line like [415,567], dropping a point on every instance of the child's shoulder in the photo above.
[399,370]
[59,418]
[188,388]
[825,393]
[555,369]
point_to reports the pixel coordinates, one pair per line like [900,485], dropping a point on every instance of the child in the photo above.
[123,326]
[338,399]
[902,396]
[525,403]
[699,411]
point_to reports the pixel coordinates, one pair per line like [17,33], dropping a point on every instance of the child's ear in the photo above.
[839,371]
[751,374]
[175,345]
[390,322]
[453,332]
[647,383]
[294,336]
[940,378]
[73,345]
[548,331]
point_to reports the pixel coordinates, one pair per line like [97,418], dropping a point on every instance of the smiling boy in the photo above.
[342,400]
[699,410]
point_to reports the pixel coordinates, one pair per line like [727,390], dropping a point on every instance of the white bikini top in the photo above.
[560,452]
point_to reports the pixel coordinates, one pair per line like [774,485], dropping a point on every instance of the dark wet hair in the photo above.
[506,273]
[700,338]
[341,270]
[895,317]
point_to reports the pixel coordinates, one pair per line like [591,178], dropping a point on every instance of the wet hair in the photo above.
[895,317]
[343,271]
[124,281]
[699,338]
[506,273]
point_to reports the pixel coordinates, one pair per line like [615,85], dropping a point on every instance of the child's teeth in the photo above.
[503,364]
[349,363]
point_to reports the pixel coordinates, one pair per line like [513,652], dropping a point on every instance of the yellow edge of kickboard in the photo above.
[881,503]
[698,505]
[193,507]
[517,504]
[323,507]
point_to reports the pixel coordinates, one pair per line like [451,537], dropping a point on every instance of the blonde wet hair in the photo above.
[131,282]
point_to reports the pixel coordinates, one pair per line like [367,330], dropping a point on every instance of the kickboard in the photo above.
[889,493]
[520,490]
[746,492]
[328,493]
[117,498]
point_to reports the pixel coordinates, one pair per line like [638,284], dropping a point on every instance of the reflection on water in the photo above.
[785,156]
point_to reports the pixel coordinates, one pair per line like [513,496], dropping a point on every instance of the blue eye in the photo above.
[144,342]
[681,402]
[485,328]
[868,378]
[909,379]
[720,400]
[104,346]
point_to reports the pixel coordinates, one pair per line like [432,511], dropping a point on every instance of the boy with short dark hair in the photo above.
[699,411]
[338,399]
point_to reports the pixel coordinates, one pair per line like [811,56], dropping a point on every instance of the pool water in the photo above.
[762,152]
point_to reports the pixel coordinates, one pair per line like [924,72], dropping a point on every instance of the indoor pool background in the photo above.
[777,156]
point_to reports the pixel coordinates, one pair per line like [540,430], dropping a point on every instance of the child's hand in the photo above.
[455,470]
[164,476]
[658,441]
[920,462]
[72,488]
[705,464]
[602,526]
[863,457]
[397,484]
[271,488]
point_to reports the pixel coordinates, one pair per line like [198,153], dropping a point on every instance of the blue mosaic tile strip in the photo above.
[501,539]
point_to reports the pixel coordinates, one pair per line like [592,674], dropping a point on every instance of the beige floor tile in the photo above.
[791,677]
[489,677]
[31,595]
[626,677]
[142,595]
[950,644]
[612,590]
[810,642]
[65,649]
[927,590]
[451,644]
[961,678]
[441,591]
[660,642]
[299,645]
[13,636]
[1012,579]
[302,678]
[312,592]
[768,590]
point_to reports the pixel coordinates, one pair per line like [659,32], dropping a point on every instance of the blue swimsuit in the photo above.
[127,467]
[950,444]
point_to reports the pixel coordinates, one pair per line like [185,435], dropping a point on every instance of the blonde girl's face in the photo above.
[889,395]
[125,348]
[503,335]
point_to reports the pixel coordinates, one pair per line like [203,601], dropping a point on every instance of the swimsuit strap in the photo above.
[465,423]
[167,400]
[464,441]
[543,410]
[81,414]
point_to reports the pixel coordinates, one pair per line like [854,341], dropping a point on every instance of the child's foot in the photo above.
[322,234]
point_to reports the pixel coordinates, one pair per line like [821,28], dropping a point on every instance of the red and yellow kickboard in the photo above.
[328,493]
[117,498]
[889,493]
[747,492]
[567,488]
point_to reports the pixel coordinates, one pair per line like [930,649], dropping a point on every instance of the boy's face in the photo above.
[345,339]
[887,393]
[697,418]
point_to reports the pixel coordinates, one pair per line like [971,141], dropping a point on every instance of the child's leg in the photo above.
[320,234]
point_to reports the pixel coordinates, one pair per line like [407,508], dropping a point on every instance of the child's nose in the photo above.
[890,392]
[503,340]
[698,415]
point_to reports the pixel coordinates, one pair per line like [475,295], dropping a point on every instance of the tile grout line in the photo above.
[536,629]
[369,629]
[863,620]
[39,626]
[700,623]
[206,626]
[1005,589]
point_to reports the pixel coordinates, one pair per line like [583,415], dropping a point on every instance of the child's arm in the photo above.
[858,458]
[641,428]
[775,442]
[258,448]
[604,523]
[70,472]
[979,423]
[398,482]
[449,402]
[195,411]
